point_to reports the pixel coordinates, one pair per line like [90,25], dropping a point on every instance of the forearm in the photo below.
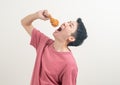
[26,21]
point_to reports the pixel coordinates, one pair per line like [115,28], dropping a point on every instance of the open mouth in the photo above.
[59,29]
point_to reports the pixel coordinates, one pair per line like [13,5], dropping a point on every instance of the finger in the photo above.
[46,14]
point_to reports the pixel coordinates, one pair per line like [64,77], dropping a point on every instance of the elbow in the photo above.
[22,22]
[25,23]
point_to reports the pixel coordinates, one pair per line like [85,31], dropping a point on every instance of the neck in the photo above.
[61,46]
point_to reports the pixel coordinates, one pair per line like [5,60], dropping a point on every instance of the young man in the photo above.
[55,64]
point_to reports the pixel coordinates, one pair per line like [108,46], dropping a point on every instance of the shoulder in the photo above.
[71,64]
[70,61]
[40,35]
[70,69]
[39,39]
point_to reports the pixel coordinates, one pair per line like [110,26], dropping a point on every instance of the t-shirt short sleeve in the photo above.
[69,77]
[38,38]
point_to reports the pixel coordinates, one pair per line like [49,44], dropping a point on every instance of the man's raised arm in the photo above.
[27,21]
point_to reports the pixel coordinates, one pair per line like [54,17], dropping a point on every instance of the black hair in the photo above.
[80,34]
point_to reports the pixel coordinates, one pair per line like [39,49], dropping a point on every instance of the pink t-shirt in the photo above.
[51,67]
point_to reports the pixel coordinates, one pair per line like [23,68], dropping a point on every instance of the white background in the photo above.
[98,58]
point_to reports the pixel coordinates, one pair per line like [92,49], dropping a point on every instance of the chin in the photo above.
[54,35]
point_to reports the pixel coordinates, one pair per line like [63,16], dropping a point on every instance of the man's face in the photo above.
[63,33]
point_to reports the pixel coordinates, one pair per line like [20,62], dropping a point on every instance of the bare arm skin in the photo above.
[27,21]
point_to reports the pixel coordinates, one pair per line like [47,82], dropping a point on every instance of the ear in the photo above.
[71,39]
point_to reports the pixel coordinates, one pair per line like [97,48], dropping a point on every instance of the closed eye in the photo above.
[71,24]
